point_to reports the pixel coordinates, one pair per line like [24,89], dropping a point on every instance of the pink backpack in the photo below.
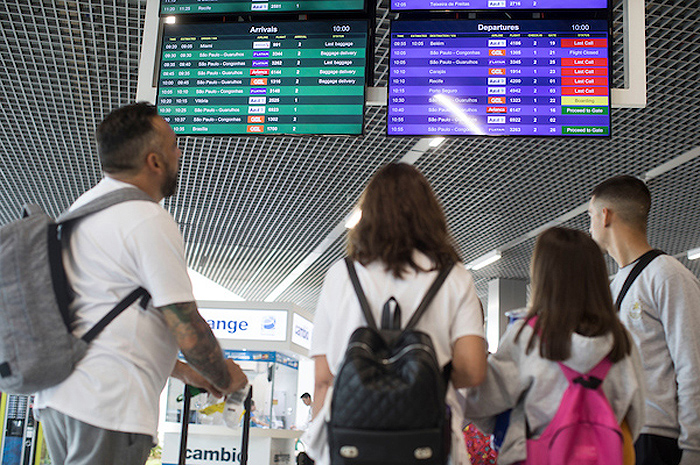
[584,431]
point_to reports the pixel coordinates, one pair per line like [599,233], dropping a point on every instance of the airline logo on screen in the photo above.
[260,68]
[259,5]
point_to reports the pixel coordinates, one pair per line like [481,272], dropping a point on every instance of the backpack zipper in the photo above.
[391,360]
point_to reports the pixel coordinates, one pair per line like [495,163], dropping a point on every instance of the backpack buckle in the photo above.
[5,370]
[589,382]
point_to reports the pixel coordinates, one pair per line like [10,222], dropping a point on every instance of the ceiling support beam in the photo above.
[583,208]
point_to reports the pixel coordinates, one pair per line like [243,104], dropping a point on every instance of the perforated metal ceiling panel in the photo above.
[253,209]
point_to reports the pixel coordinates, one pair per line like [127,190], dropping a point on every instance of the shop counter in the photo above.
[219,445]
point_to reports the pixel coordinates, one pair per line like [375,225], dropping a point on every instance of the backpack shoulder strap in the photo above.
[434,288]
[139,293]
[600,371]
[531,322]
[364,305]
[643,261]
[31,209]
[105,201]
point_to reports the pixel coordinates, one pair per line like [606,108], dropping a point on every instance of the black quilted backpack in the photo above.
[388,404]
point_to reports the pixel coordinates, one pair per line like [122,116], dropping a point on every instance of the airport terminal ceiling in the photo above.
[260,216]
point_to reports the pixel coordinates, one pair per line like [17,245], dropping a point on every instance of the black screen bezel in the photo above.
[365,9]
[510,10]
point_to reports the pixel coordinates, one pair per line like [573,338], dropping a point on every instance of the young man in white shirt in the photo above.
[106,411]
[662,312]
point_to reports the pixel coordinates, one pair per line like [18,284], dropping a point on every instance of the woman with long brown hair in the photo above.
[398,248]
[570,319]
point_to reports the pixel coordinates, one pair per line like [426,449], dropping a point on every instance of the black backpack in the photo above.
[388,404]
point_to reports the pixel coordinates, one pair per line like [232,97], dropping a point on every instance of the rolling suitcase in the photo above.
[245,433]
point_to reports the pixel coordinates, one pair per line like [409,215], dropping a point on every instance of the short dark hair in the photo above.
[306,395]
[570,293]
[400,214]
[125,136]
[629,198]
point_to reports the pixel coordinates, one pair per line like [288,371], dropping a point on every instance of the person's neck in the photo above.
[628,246]
[140,181]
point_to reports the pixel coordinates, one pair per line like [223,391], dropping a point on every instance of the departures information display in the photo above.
[497,4]
[257,6]
[301,77]
[510,77]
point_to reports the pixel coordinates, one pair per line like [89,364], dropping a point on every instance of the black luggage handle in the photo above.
[185,418]
[246,427]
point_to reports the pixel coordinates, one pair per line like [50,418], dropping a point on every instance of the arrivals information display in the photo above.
[301,77]
[257,6]
[497,4]
[510,77]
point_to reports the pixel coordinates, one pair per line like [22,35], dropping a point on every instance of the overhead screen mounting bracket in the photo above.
[633,95]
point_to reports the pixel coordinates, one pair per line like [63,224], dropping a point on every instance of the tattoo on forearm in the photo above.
[197,342]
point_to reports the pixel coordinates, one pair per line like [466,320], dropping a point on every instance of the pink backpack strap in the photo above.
[593,379]
[599,372]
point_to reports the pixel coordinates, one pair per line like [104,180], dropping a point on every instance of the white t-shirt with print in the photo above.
[117,384]
[455,312]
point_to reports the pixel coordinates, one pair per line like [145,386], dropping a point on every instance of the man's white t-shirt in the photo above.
[455,312]
[117,385]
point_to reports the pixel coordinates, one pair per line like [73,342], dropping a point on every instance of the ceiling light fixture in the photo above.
[295,273]
[694,254]
[436,141]
[170,19]
[484,260]
[354,218]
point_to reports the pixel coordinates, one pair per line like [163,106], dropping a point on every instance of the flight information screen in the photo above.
[497,4]
[257,6]
[484,77]
[301,77]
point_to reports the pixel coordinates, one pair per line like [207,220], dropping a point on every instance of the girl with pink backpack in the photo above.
[569,370]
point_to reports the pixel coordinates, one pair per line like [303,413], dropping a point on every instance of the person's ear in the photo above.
[154,161]
[607,216]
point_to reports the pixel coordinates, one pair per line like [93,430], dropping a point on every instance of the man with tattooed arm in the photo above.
[106,411]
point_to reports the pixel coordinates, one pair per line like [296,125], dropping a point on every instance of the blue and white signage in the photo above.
[259,356]
[258,325]
[301,331]
[249,355]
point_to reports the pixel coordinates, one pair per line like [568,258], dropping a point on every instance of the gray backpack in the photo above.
[37,349]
